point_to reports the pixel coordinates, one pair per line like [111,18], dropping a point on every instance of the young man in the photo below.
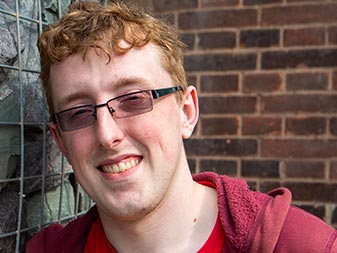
[120,109]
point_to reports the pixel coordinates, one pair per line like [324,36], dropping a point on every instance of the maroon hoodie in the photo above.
[252,222]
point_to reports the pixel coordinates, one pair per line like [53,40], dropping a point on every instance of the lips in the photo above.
[121,166]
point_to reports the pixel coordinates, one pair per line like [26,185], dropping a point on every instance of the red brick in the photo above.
[306,191]
[221,3]
[220,62]
[222,167]
[192,164]
[305,126]
[266,186]
[213,40]
[302,14]
[304,37]
[304,169]
[332,34]
[333,170]
[221,147]
[219,126]
[228,104]
[259,2]
[217,18]
[219,83]
[261,126]
[334,216]
[307,81]
[309,1]
[260,168]
[299,148]
[259,38]
[313,191]
[170,5]
[299,59]
[334,80]
[299,103]
[188,39]
[333,126]
[262,82]
[191,79]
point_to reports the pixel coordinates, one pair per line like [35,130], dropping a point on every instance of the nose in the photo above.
[108,133]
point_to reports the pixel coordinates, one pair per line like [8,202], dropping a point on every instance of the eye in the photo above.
[80,113]
[134,101]
[133,97]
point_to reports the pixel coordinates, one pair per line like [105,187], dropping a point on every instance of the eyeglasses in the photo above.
[123,106]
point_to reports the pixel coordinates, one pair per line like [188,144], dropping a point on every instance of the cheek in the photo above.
[78,144]
[161,127]
[143,129]
[151,132]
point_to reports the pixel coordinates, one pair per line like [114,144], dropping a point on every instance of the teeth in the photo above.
[115,168]
[120,167]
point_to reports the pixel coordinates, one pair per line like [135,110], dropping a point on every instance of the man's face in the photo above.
[146,150]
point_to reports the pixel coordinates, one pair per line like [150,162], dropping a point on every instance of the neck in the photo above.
[181,223]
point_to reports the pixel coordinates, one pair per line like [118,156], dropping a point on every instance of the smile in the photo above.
[120,167]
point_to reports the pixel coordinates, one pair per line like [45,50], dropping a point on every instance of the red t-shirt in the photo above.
[98,243]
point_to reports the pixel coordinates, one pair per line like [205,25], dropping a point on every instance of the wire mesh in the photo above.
[37,186]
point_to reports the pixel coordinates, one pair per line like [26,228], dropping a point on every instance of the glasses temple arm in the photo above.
[165,91]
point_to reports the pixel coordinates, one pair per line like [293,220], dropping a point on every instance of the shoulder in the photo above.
[41,241]
[303,231]
[283,227]
[55,238]
[259,222]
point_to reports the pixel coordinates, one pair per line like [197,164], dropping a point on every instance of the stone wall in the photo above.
[30,163]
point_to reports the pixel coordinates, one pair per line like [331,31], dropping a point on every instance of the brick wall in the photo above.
[266,72]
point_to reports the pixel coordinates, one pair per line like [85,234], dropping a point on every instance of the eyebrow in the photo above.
[130,81]
[118,85]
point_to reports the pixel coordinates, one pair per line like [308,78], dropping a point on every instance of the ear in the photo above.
[190,110]
[58,139]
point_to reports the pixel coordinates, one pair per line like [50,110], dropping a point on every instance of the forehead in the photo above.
[96,57]
[85,75]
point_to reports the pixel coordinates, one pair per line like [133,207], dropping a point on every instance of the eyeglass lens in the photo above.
[121,107]
[124,106]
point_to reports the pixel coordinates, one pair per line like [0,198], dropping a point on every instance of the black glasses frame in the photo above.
[157,93]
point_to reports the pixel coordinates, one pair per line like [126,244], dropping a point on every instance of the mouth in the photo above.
[120,167]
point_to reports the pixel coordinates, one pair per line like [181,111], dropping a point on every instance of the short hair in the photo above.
[90,24]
